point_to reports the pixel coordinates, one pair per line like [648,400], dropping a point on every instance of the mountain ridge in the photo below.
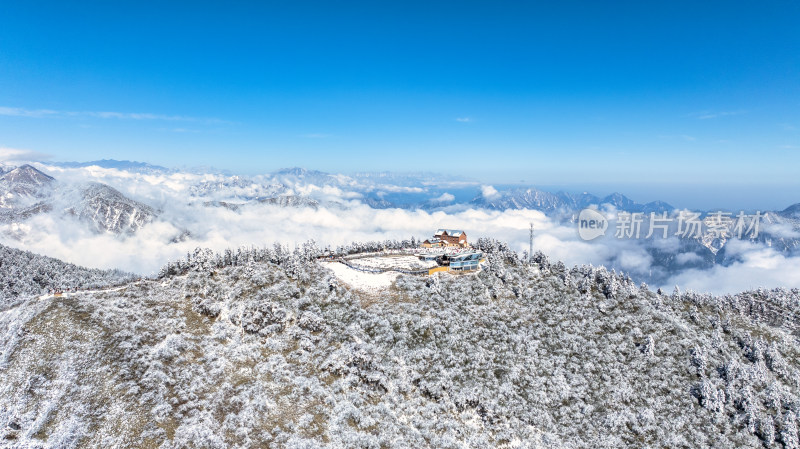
[138,167]
[265,347]
[26,191]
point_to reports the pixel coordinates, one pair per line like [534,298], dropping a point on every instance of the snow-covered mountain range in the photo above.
[427,191]
[122,198]
[129,166]
[532,198]
[27,192]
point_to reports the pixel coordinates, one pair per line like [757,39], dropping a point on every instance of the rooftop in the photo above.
[475,255]
[450,232]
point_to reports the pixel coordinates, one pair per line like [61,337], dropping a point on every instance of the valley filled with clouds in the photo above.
[138,217]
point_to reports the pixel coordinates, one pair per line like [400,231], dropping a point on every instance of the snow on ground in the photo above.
[74,293]
[395,262]
[374,282]
[370,282]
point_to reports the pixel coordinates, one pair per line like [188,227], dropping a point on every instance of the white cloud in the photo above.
[464,119]
[345,220]
[258,225]
[762,267]
[684,258]
[20,155]
[705,115]
[219,228]
[444,198]
[326,192]
[51,113]
[34,113]
[489,192]
[781,230]
[634,260]
[399,189]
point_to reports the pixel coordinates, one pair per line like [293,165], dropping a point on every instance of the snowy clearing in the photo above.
[394,262]
[373,282]
[370,282]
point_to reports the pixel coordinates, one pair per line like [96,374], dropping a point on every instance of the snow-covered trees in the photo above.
[24,274]
[263,347]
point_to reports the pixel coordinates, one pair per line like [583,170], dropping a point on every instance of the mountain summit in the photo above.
[28,175]
[108,210]
[23,186]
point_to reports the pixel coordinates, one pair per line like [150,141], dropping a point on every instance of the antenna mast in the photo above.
[530,251]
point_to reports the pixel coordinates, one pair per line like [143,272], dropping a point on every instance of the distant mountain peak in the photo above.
[29,175]
[300,172]
[533,198]
[134,166]
[292,171]
[619,200]
[301,176]
[109,210]
[97,188]
[791,211]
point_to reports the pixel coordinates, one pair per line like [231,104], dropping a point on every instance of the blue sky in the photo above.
[580,93]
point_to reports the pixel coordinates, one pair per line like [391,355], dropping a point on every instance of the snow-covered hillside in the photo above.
[22,186]
[107,210]
[265,348]
[24,275]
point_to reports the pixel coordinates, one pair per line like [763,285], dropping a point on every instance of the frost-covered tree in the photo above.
[24,275]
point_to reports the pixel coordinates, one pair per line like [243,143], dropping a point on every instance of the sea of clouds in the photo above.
[341,219]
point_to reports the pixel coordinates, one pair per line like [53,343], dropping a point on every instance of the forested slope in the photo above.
[24,274]
[265,348]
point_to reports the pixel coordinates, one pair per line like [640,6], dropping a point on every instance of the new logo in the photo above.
[591,224]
